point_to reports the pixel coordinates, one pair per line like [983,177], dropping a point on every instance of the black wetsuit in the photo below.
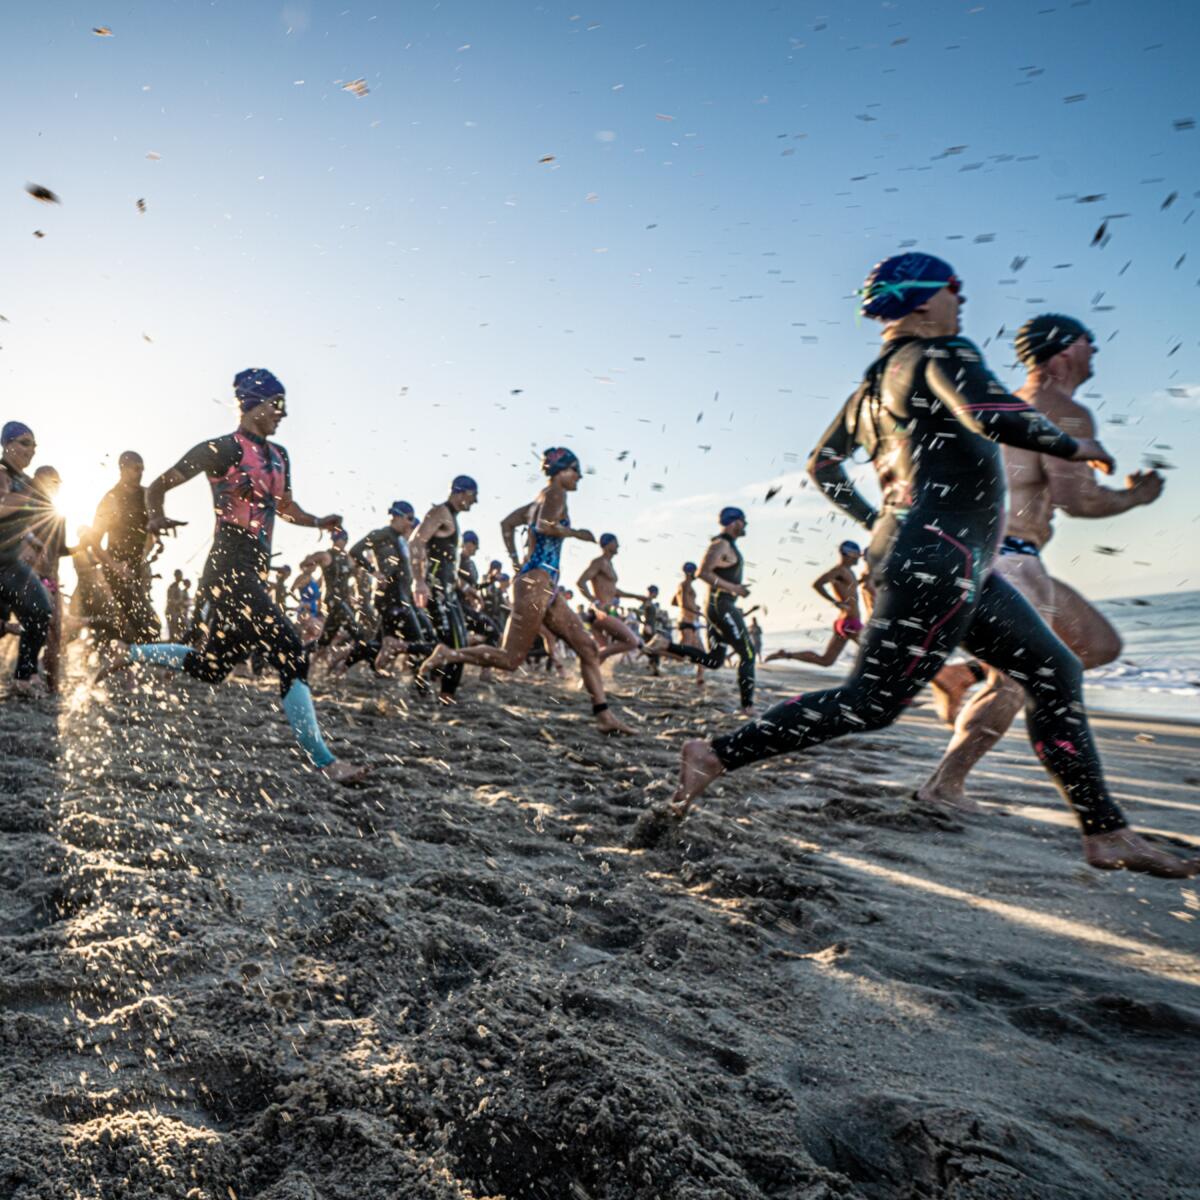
[21,591]
[236,614]
[399,616]
[445,608]
[122,516]
[930,414]
[476,620]
[726,627]
[339,605]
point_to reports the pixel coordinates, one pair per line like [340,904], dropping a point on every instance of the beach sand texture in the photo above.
[221,980]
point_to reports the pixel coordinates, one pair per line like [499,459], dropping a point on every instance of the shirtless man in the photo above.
[848,623]
[689,614]
[598,583]
[1057,352]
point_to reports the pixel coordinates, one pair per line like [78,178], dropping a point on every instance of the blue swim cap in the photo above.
[652,590]
[729,515]
[471,536]
[340,535]
[901,284]
[558,458]
[13,430]
[495,565]
[849,547]
[463,483]
[607,539]
[401,508]
[254,385]
[689,568]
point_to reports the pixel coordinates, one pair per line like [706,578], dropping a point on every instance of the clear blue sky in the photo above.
[677,291]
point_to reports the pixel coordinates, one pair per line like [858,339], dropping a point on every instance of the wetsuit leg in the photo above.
[926,596]
[1007,632]
[725,620]
[22,592]
[399,620]
[447,617]
[482,624]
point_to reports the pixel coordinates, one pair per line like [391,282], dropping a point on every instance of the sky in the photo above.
[634,229]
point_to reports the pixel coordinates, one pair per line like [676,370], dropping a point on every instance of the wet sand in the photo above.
[228,980]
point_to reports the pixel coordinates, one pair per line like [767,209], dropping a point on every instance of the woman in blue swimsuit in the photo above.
[537,599]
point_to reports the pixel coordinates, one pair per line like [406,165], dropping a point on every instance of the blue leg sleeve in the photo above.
[302,717]
[160,654]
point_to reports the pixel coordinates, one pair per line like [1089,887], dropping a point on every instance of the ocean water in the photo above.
[1157,674]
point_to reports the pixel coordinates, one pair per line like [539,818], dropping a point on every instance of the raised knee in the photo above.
[1104,649]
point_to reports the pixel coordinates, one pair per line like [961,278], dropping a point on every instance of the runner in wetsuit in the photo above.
[251,483]
[120,544]
[384,553]
[26,518]
[435,575]
[470,594]
[337,575]
[537,597]
[930,414]
[722,570]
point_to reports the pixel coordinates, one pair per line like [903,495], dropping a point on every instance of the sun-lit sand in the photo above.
[221,977]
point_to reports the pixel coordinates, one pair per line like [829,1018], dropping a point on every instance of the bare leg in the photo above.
[984,721]
[564,623]
[826,658]
[532,596]
[698,767]
[950,687]
[618,638]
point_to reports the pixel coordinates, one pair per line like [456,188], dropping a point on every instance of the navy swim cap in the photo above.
[340,535]
[652,590]
[254,385]
[689,568]
[401,508]
[901,284]
[729,515]
[495,565]
[13,430]
[848,547]
[558,458]
[607,539]
[463,483]
[1042,337]
[471,536]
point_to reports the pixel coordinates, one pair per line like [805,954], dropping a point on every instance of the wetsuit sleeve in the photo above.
[826,470]
[957,375]
[213,457]
[358,551]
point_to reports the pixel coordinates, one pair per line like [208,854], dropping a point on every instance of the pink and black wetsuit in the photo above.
[235,611]
[931,416]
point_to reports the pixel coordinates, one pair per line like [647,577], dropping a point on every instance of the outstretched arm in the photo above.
[827,472]
[1074,489]
[960,379]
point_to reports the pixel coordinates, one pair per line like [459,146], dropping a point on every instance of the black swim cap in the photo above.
[1042,337]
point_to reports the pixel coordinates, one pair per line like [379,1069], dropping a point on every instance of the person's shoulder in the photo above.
[955,345]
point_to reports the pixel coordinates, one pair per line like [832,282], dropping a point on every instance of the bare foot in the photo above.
[344,773]
[698,767]
[946,797]
[949,688]
[656,645]
[113,657]
[431,664]
[1125,850]
[777,654]
[33,688]
[607,723]
[747,711]
[388,649]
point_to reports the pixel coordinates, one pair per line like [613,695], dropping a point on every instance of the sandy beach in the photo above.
[476,978]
